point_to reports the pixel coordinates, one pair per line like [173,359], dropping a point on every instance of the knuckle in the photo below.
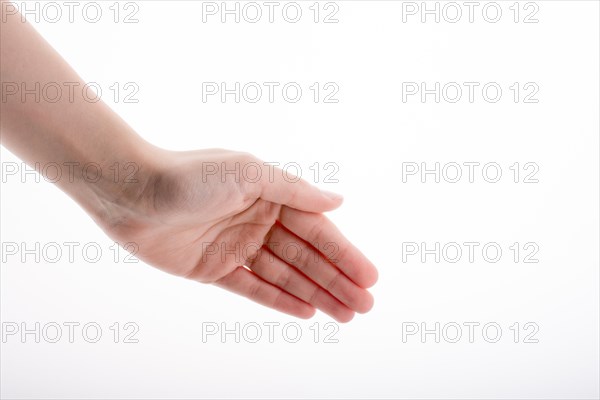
[332,284]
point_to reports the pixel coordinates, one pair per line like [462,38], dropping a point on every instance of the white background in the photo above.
[369,134]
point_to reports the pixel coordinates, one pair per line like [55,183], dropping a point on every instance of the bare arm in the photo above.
[186,219]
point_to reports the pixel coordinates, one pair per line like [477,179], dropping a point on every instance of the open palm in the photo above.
[226,218]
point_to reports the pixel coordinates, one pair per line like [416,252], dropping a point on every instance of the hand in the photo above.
[257,234]
[185,219]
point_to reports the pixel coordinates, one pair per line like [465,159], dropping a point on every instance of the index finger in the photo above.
[320,232]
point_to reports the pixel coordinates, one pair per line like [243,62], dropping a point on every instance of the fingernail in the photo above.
[332,195]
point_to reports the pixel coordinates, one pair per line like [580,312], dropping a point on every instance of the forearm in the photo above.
[91,144]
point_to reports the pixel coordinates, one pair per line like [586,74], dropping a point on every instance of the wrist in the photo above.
[121,183]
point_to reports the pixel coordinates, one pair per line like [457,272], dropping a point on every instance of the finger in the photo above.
[319,231]
[275,271]
[247,284]
[280,187]
[311,263]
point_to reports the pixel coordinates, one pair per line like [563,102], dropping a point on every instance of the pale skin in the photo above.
[186,219]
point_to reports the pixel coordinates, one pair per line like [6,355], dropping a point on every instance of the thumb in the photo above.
[277,186]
